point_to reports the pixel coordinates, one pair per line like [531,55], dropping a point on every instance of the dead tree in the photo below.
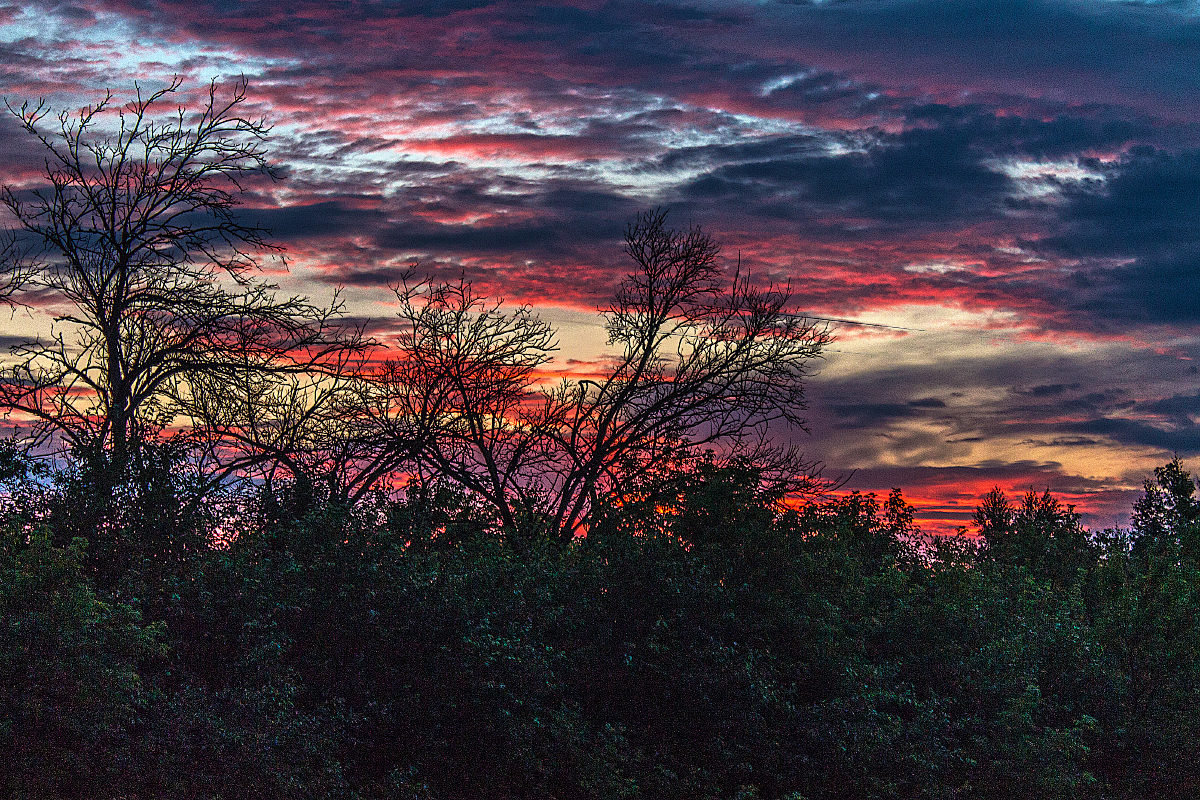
[262,425]
[148,269]
[701,362]
[461,401]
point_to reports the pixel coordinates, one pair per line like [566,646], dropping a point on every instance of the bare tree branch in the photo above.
[137,240]
[702,363]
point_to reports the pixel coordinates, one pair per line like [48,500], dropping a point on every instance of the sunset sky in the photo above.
[1013,186]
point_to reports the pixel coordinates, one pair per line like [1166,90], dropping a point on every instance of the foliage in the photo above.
[705,640]
[71,690]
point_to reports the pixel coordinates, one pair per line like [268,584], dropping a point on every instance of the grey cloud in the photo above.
[1185,441]
[1180,406]
[1046,389]
[314,220]
[1021,45]
[932,176]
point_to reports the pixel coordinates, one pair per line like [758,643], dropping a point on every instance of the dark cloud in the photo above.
[9,341]
[1154,290]
[1020,47]
[1033,474]
[314,220]
[871,414]
[379,277]
[1148,205]
[1184,441]
[1046,389]
[20,154]
[1180,406]
[1050,132]
[935,176]
[1066,441]
[1034,163]
[946,172]
[1135,238]
[477,239]
[557,220]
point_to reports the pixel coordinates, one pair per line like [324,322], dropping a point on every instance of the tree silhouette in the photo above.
[700,363]
[136,247]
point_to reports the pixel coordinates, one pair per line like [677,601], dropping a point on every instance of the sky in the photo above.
[1013,187]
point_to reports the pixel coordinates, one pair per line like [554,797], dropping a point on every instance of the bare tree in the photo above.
[150,272]
[464,369]
[464,398]
[266,424]
[258,419]
[702,362]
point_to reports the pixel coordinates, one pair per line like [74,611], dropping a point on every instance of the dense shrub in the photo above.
[712,643]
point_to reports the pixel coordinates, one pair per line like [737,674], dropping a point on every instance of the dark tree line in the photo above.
[211,592]
[709,642]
